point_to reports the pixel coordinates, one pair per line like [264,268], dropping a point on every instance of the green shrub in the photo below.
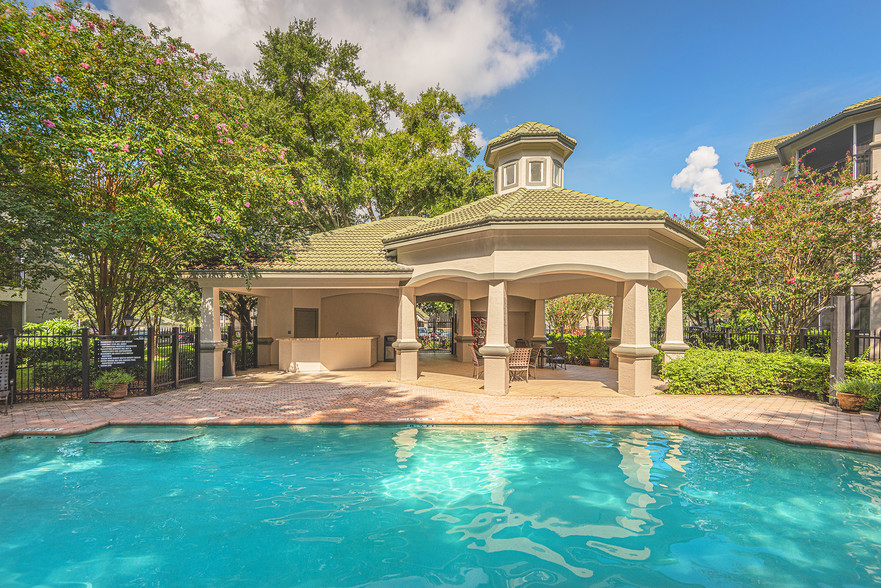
[583,347]
[865,370]
[717,371]
[57,374]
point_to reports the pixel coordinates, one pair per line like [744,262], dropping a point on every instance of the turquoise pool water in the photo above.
[434,506]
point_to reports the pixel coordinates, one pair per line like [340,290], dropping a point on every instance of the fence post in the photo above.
[151,361]
[85,358]
[762,340]
[198,358]
[10,348]
[175,355]
[854,344]
[727,337]
[254,332]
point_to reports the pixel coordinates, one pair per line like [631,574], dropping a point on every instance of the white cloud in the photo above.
[700,176]
[469,47]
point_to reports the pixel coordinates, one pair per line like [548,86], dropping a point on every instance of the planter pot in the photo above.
[118,392]
[594,361]
[850,402]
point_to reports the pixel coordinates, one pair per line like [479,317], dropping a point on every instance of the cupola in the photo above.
[530,155]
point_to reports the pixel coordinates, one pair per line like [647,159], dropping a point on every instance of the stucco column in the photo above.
[674,346]
[464,337]
[264,338]
[407,345]
[538,324]
[496,350]
[615,339]
[635,351]
[211,360]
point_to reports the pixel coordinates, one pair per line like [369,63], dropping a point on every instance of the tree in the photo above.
[238,307]
[142,147]
[782,245]
[565,313]
[351,165]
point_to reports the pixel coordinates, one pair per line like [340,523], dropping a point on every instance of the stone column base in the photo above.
[635,369]
[211,360]
[407,359]
[613,359]
[539,341]
[495,369]
[673,350]
[463,347]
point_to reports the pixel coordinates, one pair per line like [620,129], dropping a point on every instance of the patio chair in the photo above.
[558,353]
[476,362]
[5,388]
[534,356]
[518,364]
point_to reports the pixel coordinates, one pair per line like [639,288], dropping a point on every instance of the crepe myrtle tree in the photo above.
[142,146]
[781,245]
[564,313]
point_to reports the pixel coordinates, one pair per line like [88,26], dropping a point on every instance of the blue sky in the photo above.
[639,84]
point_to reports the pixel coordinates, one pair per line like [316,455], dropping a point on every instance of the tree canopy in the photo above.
[137,148]
[362,151]
[783,244]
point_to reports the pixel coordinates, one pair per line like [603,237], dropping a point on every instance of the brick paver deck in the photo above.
[270,398]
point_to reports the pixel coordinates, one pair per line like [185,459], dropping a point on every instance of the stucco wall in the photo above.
[359,315]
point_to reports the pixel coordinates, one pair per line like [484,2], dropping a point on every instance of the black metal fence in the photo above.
[65,365]
[811,341]
[245,346]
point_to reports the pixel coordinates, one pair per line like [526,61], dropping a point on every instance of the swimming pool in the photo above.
[434,506]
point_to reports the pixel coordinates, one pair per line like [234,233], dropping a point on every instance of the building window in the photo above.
[558,175]
[509,175]
[536,172]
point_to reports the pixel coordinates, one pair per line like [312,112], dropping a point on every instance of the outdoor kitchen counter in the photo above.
[325,354]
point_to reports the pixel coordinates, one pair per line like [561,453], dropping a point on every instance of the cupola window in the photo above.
[558,175]
[509,175]
[536,172]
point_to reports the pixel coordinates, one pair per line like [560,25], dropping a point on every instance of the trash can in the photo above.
[229,363]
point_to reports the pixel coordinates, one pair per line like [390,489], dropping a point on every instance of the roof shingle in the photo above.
[529,206]
[529,129]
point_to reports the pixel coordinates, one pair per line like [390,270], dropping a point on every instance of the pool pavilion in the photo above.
[351,291]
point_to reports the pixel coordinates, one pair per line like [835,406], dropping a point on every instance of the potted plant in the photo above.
[115,382]
[596,348]
[852,394]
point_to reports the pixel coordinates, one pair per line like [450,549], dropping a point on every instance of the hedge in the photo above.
[720,371]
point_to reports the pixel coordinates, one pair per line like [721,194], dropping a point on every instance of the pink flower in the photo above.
[73,29]
[159,61]
[247,205]
[290,201]
[102,86]
[57,79]
[84,65]
[48,124]
[217,218]
[158,151]
[125,147]
[90,150]
[195,117]
[22,51]
[91,25]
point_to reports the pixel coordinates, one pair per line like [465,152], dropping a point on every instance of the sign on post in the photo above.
[112,353]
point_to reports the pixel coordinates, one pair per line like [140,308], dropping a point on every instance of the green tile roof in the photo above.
[351,249]
[761,150]
[530,206]
[767,149]
[529,129]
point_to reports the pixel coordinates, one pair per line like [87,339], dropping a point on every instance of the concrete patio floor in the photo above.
[269,397]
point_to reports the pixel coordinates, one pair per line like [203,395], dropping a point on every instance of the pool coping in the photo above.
[646,421]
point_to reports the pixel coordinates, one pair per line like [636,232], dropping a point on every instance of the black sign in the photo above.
[119,352]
